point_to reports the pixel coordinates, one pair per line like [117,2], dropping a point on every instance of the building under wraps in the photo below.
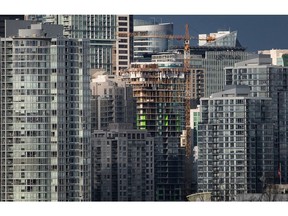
[160,92]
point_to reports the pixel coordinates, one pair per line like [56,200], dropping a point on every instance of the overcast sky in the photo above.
[255,32]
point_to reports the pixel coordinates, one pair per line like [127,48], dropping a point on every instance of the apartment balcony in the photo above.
[9,80]
[9,86]
[9,128]
[9,73]
[9,59]
[10,149]
[9,66]
[10,182]
[10,198]
[9,52]
[9,93]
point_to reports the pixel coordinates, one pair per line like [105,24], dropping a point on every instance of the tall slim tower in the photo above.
[123,48]
[45,115]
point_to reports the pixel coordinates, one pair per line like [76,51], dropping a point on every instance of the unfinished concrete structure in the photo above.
[197,79]
[160,99]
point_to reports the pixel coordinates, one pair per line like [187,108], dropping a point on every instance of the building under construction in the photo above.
[160,93]
[197,73]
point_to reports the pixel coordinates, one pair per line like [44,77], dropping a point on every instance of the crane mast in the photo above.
[188,161]
[187,90]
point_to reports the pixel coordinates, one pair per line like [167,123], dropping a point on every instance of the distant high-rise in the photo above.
[123,48]
[100,29]
[278,56]
[149,45]
[45,115]
[235,142]
[122,164]
[209,63]
[8,17]
[112,102]
[221,38]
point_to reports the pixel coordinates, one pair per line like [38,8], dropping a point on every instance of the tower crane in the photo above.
[188,161]
[169,37]
[186,69]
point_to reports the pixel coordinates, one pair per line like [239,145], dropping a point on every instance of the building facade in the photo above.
[220,39]
[112,102]
[45,116]
[123,48]
[209,63]
[194,121]
[278,56]
[145,41]
[100,29]
[214,63]
[235,142]
[267,80]
[123,164]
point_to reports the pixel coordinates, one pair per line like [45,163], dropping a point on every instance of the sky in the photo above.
[260,24]
[255,32]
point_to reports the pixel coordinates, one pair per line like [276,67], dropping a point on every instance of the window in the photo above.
[123,51]
[122,46]
[122,18]
[123,40]
[239,101]
[122,23]
[123,62]
[239,120]
[122,29]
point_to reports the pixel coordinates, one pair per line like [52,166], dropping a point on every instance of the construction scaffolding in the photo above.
[160,98]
